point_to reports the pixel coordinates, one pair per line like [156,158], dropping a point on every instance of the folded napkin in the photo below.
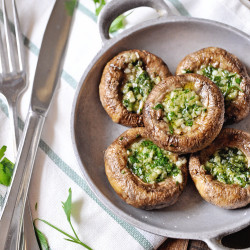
[56,168]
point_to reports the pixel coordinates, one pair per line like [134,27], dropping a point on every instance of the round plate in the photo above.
[93,131]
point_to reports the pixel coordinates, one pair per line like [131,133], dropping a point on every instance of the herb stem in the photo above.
[73,230]
[71,238]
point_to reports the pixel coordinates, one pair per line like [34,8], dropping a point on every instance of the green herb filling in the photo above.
[137,84]
[230,166]
[153,164]
[228,82]
[181,108]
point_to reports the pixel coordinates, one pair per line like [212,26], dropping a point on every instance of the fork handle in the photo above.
[11,222]
[14,124]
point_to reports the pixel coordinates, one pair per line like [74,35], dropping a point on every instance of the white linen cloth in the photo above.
[56,168]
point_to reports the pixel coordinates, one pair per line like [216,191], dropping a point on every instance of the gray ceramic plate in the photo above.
[171,38]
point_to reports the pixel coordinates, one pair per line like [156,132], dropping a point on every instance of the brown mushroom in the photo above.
[195,134]
[229,196]
[236,93]
[118,72]
[133,189]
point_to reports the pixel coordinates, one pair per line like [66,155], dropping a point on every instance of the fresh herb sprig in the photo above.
[43,243]
[6,168]
[117,24]
[99,4]
[41,239]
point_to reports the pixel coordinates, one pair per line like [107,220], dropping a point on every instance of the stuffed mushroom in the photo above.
[228,73]
[142,174]
[184,113]
[126,82]
[221,172]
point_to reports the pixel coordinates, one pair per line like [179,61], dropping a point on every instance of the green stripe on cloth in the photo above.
[180,7]
[81,183]
[69,79]
[1,201]
[4,107]
[35,50]
[87,12]
[31,46]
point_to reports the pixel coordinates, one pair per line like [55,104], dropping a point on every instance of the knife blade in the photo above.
[48,71]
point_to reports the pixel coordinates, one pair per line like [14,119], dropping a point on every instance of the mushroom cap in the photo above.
[112,80]
[229,196]
[238,108]
[209,126]
[129,186]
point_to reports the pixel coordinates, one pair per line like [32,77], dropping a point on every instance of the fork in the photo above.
[13,74]
[12,84]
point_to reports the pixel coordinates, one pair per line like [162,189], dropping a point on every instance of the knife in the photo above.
[48,71]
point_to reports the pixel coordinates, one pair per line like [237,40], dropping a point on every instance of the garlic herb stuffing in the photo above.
[137,84]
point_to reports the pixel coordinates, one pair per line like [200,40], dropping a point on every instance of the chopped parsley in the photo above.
[182,107]
[228,82]
[137,85]
[151,163]
[187,71]
[6,168]
[158,106]
[230,166]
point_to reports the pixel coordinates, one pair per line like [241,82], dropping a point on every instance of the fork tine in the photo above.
[3,59]
[19,40]
[8,40]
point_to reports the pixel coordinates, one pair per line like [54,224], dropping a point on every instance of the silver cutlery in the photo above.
[12,84]
[12,65]
[48,71]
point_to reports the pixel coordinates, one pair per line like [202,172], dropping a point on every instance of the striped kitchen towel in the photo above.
[56,168]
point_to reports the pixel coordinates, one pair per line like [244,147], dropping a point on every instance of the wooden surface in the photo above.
[239,240]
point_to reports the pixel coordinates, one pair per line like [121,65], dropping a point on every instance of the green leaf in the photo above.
[67,209]
[70,6]
[36,206]
[41,239]
[2,151]
[98,6]
[67,205]
[6,168]
[117,24]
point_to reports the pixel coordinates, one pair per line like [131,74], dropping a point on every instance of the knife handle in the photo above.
[11,221]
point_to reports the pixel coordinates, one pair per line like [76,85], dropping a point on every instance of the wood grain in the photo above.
[174,244]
